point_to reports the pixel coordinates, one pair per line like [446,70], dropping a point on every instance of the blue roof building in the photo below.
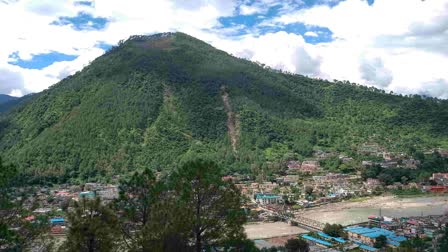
[369,235]
[87,194]
[337,239]
[56,221]
[317,241]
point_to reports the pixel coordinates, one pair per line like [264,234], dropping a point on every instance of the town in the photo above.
[283,204]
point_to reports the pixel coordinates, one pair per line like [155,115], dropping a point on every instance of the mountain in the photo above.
[6,98]
[11,102]
[154,100]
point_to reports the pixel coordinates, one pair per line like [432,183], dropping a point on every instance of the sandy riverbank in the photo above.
[354,212]
[263,230]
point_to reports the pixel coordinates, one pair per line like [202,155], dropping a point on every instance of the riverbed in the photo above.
[262,230]
[354,212]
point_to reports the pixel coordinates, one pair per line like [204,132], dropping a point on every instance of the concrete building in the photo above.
[267,199]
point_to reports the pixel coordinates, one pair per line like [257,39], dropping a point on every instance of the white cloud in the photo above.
[10,81]
[280,50]
[250,10]
[437,88]
[399,45]
[374,72]
[311,34]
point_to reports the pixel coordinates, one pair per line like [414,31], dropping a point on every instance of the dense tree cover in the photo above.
[442,241]
[380,241]
[335,230]
[416,244]
[297,245]
[153,101]
[192,209]
[429,164]
[93,227]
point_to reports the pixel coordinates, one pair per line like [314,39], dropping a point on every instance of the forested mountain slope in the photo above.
[154,100]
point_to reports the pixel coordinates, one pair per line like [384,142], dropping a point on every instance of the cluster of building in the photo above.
[366,237]
[307,166]
[55,202]
[439,183]
[421,226]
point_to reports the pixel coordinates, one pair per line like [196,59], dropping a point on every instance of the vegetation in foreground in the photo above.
[192,209]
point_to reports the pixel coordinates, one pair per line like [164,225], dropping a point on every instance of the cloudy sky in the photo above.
[396,45]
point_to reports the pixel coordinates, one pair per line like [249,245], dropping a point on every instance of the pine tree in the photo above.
[297,245]
[93,227]
[211,207]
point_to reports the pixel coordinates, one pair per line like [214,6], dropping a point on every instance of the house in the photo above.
[310,166]
[293,165]
[436,189]
[86,194]
[109,193]
[410,163]
[332,178]
[366,163]
[440,178]
[267,187]
[388,156]
[266,199]
[372,182]
[345,159]
[58,230]
[62,194]
[42,210]
[57,221]
[288,179]
[389,164]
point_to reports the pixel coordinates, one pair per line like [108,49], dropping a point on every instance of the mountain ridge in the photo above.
[154,100]
[6,98]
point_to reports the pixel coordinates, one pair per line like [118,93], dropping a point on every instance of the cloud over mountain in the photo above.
[398,45]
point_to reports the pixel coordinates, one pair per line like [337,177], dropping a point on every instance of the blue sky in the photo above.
[364,41]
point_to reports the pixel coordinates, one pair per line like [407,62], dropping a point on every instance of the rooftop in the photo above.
[325,243]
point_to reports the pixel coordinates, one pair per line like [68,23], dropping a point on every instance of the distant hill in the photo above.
[154,100]
[5,98]
[10,104]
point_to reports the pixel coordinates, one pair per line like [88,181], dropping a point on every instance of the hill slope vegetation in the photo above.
[154,100]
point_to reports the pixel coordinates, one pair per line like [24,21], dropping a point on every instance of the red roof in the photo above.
[62,193]
[30,218]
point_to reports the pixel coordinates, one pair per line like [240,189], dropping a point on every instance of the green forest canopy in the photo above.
[154,100]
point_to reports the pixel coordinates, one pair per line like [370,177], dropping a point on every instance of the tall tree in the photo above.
[8,210]
[150,219]
[16,234]
[137,198]
[94,227]
[380,241]
[335,230]
[297,245]
[212,207]
[442,242]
